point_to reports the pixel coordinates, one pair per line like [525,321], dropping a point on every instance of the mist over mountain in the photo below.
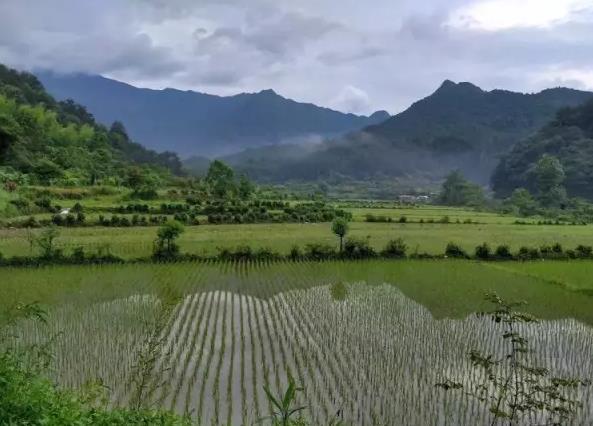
[458,126]
[192,123]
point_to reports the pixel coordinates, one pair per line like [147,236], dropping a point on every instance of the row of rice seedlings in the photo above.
[210,356]
[221,354]
[318,375]
[298,355]
[230,370]
[265,358]
[183,353]
[254,365]
[191,375]
[179,327]
[331,365]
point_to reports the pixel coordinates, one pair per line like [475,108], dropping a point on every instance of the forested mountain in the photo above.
[459,126]
[60,142]
[569,137]
[192,123]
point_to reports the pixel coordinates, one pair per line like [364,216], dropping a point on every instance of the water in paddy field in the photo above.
[365,353]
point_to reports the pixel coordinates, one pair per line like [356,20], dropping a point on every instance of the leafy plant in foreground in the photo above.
[515,390]
[286,411]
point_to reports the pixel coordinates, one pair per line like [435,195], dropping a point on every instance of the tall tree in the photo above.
[221,179]
[549,174]
[340,228]
[458,191]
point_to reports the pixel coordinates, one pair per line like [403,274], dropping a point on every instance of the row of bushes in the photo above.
[403,219]
[353,249]
[503,252]
[80,220]
[549,222]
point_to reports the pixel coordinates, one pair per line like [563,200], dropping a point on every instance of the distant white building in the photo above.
[413,199]
[65,212]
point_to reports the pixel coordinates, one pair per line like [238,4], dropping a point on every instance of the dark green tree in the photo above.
[165,244]
[458,191]
[522,200]
[245,187]
[549,175]
[221,179]
[340,228]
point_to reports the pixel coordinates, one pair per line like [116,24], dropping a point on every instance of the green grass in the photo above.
[573,275]
[204,239]
[447,288]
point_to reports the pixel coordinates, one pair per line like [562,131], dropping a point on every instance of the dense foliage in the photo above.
[458,191]
[48,142]
[569,138]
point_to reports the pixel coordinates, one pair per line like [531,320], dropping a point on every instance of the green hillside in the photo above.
[569,137]
[46,142]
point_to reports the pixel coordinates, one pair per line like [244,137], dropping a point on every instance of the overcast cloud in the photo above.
[346,54]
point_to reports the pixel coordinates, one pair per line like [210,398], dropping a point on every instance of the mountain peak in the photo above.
[380,115]
[449,86]
[268,92]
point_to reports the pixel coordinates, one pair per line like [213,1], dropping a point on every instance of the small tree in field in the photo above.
[45,241]
[165,244]
[340,228]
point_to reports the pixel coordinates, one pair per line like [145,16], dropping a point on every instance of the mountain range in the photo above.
[191,123]
[274,139]
[459,126]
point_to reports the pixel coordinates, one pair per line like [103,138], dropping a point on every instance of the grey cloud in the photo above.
[310,50]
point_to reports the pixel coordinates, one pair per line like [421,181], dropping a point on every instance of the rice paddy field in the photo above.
[368,340]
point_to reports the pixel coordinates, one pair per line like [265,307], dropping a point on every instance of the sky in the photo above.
[350,55]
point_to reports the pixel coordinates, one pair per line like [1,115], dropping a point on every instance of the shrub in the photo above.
[315,251]
[78,254]
[528,253]
[403,219]
[27,398]
[455,251]
[240,253]
[358,249]
[146,193]
[554,251]
[70,220]
[483,251]
[395,249]
[80,218]
[77,208]
[503,252]
[295,253]
[43,203]
[445,219]
[57,220]
[584,252]
[165,245]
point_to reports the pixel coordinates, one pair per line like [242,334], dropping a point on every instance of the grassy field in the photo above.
[447,288]
[353,334]
[205,239]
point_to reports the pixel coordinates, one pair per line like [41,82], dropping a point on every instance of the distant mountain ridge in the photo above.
[192,123]
[458,126]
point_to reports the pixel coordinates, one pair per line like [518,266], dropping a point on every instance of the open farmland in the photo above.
[206,239]
[366,339]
